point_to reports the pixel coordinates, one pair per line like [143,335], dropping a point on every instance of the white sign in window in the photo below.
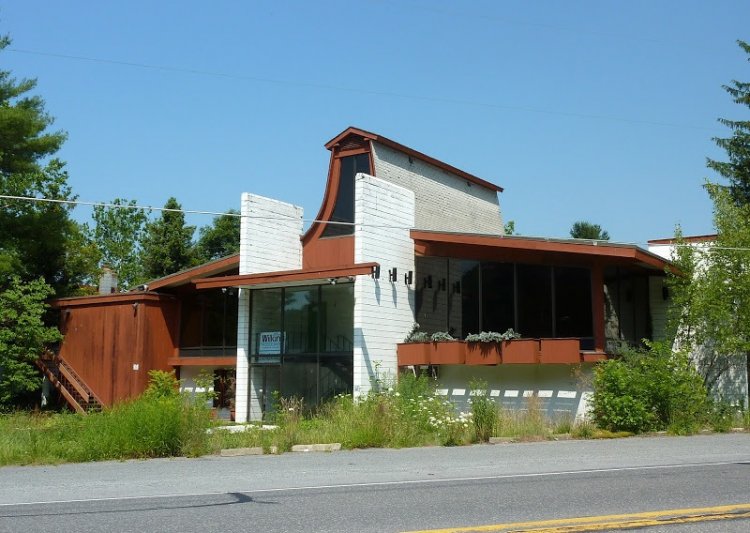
[269,343]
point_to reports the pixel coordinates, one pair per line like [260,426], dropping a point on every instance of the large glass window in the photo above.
[431,294]
[266,337]
[498,312]
[534,300]
[573,303]
[470,297]
[209,322]
[337,318]
[301,320]
[343,210]
[306,334]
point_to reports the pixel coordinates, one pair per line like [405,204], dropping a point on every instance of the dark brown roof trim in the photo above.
[285,276]
[414,153]
[689,238]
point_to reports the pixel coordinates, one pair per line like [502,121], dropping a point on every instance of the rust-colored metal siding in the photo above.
[112,345]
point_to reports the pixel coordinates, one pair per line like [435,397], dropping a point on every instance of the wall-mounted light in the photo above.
[409,277]
[332,281]
[441,284]
[456,287]
[393,275]
[375,272]
[427,282]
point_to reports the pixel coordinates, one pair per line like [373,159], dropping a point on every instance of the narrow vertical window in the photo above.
[343,210]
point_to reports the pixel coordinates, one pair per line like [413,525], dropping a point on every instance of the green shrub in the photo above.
[649,389]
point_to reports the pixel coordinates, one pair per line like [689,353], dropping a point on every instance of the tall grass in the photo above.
[158,424]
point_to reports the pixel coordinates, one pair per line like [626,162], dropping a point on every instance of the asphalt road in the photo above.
[388,490]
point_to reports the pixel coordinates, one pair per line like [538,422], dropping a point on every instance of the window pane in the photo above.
[337,317]
[266,319]
[343,211]
[497,297]
[573,317]
[534,301]
[213,317]
[190,322]
[464,306]
[431,294]
[301,320]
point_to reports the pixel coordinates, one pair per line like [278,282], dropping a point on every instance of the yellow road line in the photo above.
[614,521]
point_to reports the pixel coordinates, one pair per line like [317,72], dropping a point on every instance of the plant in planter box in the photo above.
[415,349]
[485,348]
[446,350]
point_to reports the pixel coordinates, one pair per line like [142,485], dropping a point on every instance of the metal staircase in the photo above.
[75,391]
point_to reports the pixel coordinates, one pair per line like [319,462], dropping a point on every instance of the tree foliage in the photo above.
[737,147]
[220,239]
[710,312]
[587,230]
[23,335]
[117,233]
[167,245]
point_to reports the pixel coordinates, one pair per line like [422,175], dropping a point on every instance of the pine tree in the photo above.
[737,147]
[167,246]
[587,230]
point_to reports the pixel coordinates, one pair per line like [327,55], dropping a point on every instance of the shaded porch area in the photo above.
[570,300]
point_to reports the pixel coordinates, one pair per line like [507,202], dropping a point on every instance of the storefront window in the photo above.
[301,320]
[266,337]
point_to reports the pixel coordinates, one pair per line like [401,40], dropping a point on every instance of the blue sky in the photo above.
[595,110]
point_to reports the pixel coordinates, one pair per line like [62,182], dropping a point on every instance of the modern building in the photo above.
[400,238]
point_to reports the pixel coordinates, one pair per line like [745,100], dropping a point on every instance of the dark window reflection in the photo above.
[497,296]
[343,211]
[534,301]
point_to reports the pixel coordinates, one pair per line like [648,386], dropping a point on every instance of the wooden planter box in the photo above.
[520,351]
[483,353]
[413,353]
[559,351]
[447,353]
[593,357]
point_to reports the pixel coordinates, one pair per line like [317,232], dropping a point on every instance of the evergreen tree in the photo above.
[737,147]
[220,239]
[167,245]
[42,250]
[587,230]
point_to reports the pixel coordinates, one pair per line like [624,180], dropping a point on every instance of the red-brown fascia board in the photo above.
[206,269]
[103,299]
[589,248]
[285,276]
[414,153]
[689,238]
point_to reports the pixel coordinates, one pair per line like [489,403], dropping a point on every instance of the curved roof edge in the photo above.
[351,130]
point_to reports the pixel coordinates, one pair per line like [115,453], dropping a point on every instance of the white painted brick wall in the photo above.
[444,201]
[269,242]
[383,311]
[560,392]
[269,235]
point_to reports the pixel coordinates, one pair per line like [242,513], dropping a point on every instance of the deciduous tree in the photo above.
[117,233]
[220,239]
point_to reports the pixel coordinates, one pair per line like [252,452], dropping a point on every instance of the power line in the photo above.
[371,92]
[708,244]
